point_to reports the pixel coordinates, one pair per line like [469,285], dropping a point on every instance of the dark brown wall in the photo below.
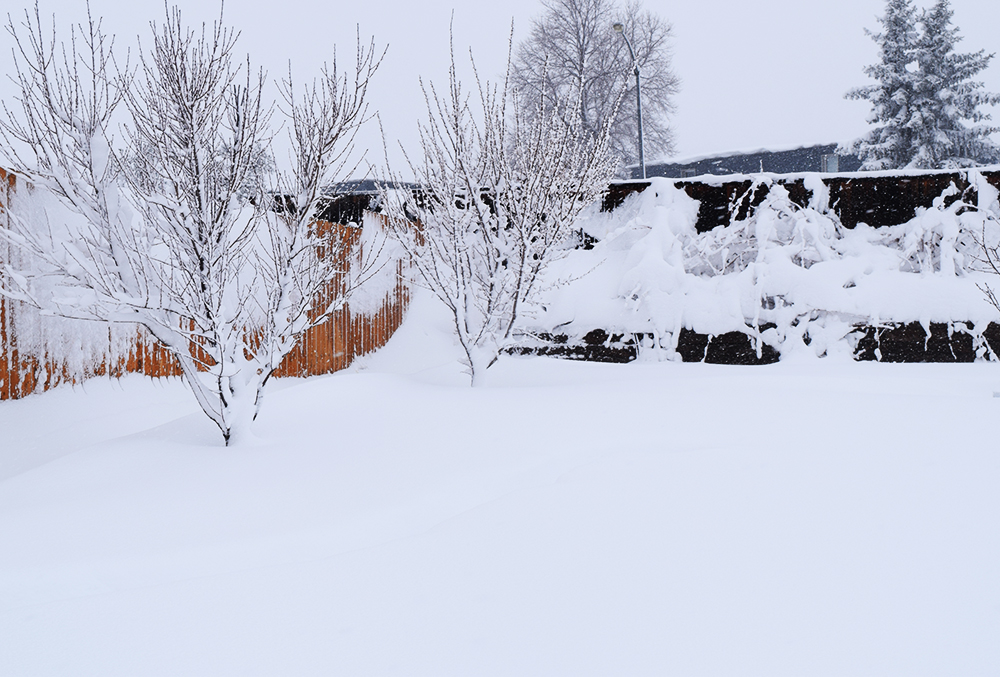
[875,200]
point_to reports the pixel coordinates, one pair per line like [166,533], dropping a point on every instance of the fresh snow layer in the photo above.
[813,517]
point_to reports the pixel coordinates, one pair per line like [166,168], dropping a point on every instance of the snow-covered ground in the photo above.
[813,517]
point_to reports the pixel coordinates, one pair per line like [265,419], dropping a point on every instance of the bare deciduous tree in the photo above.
[572,49]
[165,240]
[497,200]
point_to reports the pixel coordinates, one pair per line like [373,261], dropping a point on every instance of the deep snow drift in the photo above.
[813,517]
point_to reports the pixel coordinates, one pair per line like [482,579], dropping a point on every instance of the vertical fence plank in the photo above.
[6,364]
[8,372]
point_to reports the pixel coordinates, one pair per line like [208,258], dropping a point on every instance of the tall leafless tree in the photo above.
[165,240]
[499,191]
[572,48]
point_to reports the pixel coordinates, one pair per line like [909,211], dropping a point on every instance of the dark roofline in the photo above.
[789,161]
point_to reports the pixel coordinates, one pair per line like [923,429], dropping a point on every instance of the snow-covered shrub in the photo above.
[786,275]
[803,234]
[941,239]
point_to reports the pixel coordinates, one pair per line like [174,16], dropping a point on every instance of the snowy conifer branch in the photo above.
[923,95]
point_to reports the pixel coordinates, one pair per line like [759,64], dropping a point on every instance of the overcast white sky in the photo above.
[769,73]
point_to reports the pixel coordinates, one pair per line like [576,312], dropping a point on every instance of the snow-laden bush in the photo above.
[804,235]
[787,275]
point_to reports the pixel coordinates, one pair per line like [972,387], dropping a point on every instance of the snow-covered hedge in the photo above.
[789,276]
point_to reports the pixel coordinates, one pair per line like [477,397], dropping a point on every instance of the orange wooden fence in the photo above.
[324,349]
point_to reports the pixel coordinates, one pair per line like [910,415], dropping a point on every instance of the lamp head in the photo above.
[618,28]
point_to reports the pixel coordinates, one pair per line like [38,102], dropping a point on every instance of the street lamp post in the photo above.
[620,30]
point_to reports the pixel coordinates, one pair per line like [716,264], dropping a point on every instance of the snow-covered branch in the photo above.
[160,230]
[499,192]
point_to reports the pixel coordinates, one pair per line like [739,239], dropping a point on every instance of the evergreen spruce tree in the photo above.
[890,144]
[946,97]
